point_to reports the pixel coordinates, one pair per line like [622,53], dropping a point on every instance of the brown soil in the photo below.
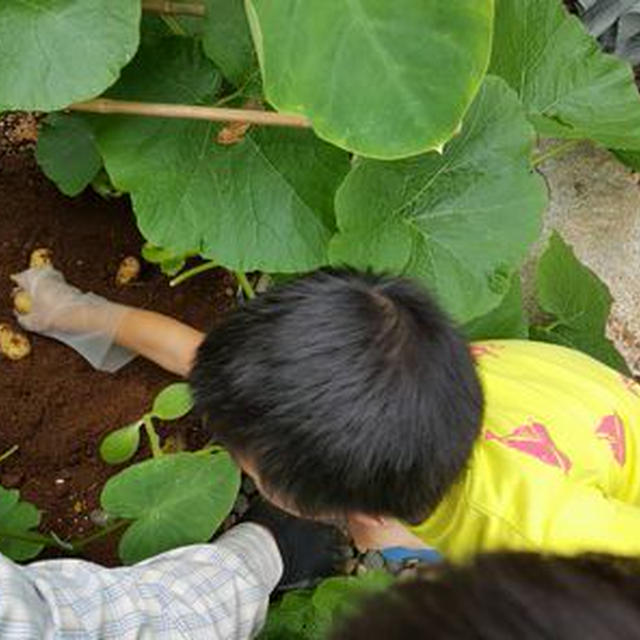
[53,405]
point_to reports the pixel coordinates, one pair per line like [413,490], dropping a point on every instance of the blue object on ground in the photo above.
[402,554]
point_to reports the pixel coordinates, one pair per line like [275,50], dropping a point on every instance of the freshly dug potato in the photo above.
[128,271]
[41,258]
[21,301]
[232,133]
[13,344]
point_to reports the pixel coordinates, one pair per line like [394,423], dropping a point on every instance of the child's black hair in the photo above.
[507,596]
[348,392]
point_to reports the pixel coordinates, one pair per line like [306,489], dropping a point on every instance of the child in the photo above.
[502,596]
[351,397]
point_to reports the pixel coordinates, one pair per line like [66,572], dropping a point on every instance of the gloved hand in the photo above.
[85,322]
[310,550]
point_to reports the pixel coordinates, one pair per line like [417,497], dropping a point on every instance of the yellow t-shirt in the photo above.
[557,466]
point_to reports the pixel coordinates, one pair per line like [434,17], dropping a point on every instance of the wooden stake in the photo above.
[174,8]
[191,112]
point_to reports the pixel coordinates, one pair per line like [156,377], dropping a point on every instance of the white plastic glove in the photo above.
[85,322]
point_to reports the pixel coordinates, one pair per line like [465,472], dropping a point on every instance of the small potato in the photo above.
[13,345]
[21,301]
[233,133]
[41,258]
[128,271]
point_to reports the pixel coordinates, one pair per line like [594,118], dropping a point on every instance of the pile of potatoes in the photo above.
[14,345]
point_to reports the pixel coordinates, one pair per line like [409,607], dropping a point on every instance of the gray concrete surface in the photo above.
[595,206]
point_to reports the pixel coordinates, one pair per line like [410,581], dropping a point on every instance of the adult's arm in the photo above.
[217,591]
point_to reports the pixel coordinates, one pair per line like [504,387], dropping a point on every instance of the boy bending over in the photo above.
[351,397]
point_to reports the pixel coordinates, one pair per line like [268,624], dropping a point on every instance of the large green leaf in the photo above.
[174,500]
[168,69]
[227,39]
[18,518]
[579,303]
[507,320]
[55,52]
[67,153]
[630,158]
[569,87]
[460,221]
[383,79]
[263,203]
[310,615]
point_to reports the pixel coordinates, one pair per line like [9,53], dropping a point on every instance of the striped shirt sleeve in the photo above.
[215,591]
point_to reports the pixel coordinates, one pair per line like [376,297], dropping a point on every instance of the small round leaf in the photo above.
[121,445]
[173,402]
[16,519]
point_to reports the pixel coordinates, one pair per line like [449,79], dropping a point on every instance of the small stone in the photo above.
[229,292]
[373,560]
[99,517]
[248,486]
[241,505]
[351,566]
[265,281]
[12,479]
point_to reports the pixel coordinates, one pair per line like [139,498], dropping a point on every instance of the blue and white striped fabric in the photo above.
[214,591]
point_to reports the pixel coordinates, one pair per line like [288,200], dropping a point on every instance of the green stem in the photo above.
[189,273]
[8,452]
[212,448]
[237,93]
[229,98]
[554,151]
[154,440]
[83,542]
[245,284]
[174,26]
[36,538]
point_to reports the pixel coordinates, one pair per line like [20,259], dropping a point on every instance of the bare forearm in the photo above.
[91,324]
[161,339]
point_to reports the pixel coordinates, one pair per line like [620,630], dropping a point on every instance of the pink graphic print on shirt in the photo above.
[534,440]
[631,385]
[479,350]
[611,429]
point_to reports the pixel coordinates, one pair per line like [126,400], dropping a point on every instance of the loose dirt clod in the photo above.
[128,271]
[22,301]
[13,344]
[41,258]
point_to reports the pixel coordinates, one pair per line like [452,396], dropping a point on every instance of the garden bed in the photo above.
[53,405]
